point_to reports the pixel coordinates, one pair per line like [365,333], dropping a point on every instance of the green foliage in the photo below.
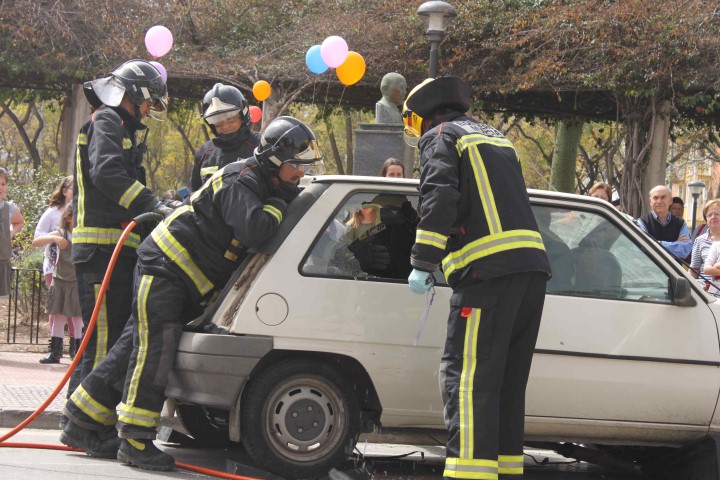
[31,192]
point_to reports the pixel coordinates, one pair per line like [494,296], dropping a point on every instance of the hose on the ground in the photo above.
[78,356]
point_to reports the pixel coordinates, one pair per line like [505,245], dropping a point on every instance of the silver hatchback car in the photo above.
[310,344]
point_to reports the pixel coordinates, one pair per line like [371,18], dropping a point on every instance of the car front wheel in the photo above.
[299,418]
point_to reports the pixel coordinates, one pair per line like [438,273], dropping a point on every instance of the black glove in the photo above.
[287,191]
[371,257]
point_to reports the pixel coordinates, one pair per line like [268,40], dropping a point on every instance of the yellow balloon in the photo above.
[352,69]
[261,90]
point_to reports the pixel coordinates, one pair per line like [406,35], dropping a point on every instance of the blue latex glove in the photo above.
[419,281]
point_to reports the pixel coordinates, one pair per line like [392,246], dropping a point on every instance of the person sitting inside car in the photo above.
[381,235]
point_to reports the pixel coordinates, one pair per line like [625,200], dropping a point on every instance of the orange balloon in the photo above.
[352,69]
[261,90]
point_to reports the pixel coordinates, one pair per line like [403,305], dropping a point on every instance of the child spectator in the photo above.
[49,221]
[62,300]
[11,223]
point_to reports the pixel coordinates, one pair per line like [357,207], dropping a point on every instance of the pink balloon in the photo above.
[161,69]
[255,114]
[334,51]
[158,40]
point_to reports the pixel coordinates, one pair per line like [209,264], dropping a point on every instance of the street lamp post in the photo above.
[696,187]
[436,15]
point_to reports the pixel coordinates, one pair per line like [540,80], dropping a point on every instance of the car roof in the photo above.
[363,180]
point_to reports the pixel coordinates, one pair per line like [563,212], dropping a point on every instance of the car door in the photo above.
[612,344]
[330,303]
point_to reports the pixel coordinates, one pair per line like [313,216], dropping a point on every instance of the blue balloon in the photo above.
[314,60]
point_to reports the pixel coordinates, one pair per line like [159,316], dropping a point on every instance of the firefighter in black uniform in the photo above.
[193,252]
[476,221]
[109,191]
[228,114]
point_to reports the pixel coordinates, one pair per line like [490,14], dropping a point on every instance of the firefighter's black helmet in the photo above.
[222,102]
[287,140]
[138,78]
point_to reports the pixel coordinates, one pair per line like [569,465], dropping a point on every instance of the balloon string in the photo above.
[327,93]
[341,96]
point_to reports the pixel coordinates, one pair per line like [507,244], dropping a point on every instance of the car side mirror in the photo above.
[680,292]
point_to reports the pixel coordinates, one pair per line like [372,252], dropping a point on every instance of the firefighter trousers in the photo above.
[492,330]
[137,367]
[114,311]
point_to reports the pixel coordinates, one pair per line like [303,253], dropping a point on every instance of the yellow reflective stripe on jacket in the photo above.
[274,212]
[431,238]
[471,468]
[470,143]
[92,408]
[127,144]
[178,255]
[501,242]
[216,182]
[208,170]
[104,236]
[131,194]
[510,464]
[80,214]
[475,139]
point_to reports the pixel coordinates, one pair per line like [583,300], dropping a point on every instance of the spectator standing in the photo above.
[704,241]
[671,231]
[11,223]
[63,302]
[49,221]
[677,207]
[392,168]
[602,191]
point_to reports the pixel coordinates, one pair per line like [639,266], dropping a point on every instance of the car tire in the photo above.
[208,426]
[299,418]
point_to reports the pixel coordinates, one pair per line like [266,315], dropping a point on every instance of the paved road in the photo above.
[36,464]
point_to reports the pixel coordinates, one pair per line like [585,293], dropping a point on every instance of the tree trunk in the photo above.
[334,147]
[76,110]
[646,122]
[567,139]
[349,150]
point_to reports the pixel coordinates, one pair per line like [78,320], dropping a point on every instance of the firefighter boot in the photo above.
[56,345]
[99,444]
[72,348]
[144,454]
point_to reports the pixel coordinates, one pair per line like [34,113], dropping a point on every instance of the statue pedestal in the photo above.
[375,143]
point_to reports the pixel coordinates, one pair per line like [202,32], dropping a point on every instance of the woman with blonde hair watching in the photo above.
[702,263]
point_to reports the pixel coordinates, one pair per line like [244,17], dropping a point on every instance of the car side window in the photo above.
[590,256]
[370,236]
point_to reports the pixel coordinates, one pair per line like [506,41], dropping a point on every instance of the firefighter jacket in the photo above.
[204,241]
[109,185]
[218,152]
[475,213]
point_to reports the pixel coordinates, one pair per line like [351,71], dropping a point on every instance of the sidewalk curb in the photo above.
[48,420]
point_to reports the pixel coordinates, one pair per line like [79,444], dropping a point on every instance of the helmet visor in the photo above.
[219,118]
[219,111]
[310,155]
[159,106]
[413,127]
